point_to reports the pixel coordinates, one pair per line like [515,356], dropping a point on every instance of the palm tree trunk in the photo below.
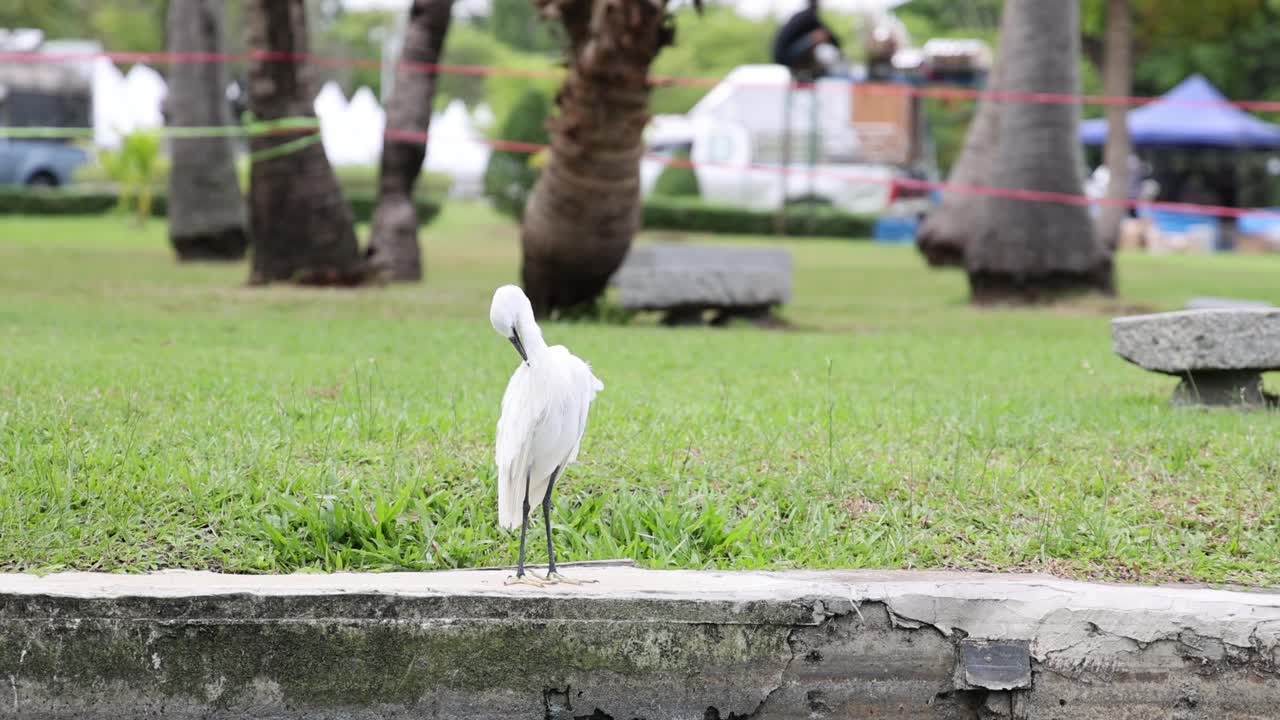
[942,236]
[303,229]
[206,208]
[1117,81]
[581,216]
[1024,251]
[394,254]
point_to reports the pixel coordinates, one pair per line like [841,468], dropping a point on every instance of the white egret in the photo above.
[544,414]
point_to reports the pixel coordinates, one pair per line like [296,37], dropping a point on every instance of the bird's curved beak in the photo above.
[515,340]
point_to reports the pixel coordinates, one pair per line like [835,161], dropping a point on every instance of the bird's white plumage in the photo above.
[544,409]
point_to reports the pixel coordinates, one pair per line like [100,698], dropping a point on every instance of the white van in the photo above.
[735,135]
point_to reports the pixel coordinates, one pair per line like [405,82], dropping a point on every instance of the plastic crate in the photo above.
[894,230]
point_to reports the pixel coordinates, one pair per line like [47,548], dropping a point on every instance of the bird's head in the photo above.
[511,315]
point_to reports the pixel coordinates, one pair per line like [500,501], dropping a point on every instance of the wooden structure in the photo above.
[886,118]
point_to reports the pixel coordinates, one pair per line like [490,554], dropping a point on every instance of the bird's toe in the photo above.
[525,580]
[556,577]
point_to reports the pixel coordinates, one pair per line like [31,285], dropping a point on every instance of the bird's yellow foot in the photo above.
[555,577]
[525,579]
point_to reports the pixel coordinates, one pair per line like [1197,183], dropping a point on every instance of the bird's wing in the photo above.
[522,410]
[585,385]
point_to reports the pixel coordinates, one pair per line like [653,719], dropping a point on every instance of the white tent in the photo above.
[351,131]
[124,103]
[366,122]
[330,102]
[110,106]
[456,147]
[146,91]
[330,107]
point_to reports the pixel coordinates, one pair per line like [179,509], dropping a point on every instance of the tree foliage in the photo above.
[81,19]
[356,35]
[1231,42]
[708,47]
[471,45]
[510,176]
[516,24]
[136,25]
[952,14]
[678,180]
[1161,23]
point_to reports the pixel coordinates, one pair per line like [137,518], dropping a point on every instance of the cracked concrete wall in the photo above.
[641,645]
[378,657]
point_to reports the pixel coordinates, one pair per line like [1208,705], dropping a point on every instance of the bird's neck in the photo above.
[531,337]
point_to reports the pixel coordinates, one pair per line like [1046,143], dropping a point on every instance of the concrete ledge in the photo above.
[640,644]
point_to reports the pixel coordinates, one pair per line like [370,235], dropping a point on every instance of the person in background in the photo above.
[1137,173]
[885,36]
[806,45]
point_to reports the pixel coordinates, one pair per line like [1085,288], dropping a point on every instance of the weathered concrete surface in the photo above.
[639,644]
[1218,353]
[1189,340]
[678,276]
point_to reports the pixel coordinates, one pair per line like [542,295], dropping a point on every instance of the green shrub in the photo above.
[362,207]
[133,170]
[363,180]
[81,202]
[677,180]
[690,215]
[509,178]
[16,201]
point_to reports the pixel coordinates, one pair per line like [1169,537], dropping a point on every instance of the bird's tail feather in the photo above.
[509,503]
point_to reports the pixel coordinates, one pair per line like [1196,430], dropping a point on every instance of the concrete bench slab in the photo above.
[639,644]
[686,280]
[1220,354]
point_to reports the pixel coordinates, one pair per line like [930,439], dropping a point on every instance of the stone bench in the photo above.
[1219,354]
[685,281]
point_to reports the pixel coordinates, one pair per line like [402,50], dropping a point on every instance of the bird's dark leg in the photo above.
[552,575]
[524,528]
[546,517]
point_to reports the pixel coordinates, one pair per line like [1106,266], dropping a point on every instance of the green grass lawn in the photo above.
[155,415]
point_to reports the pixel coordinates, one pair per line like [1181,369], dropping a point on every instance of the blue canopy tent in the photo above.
[1193,114]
